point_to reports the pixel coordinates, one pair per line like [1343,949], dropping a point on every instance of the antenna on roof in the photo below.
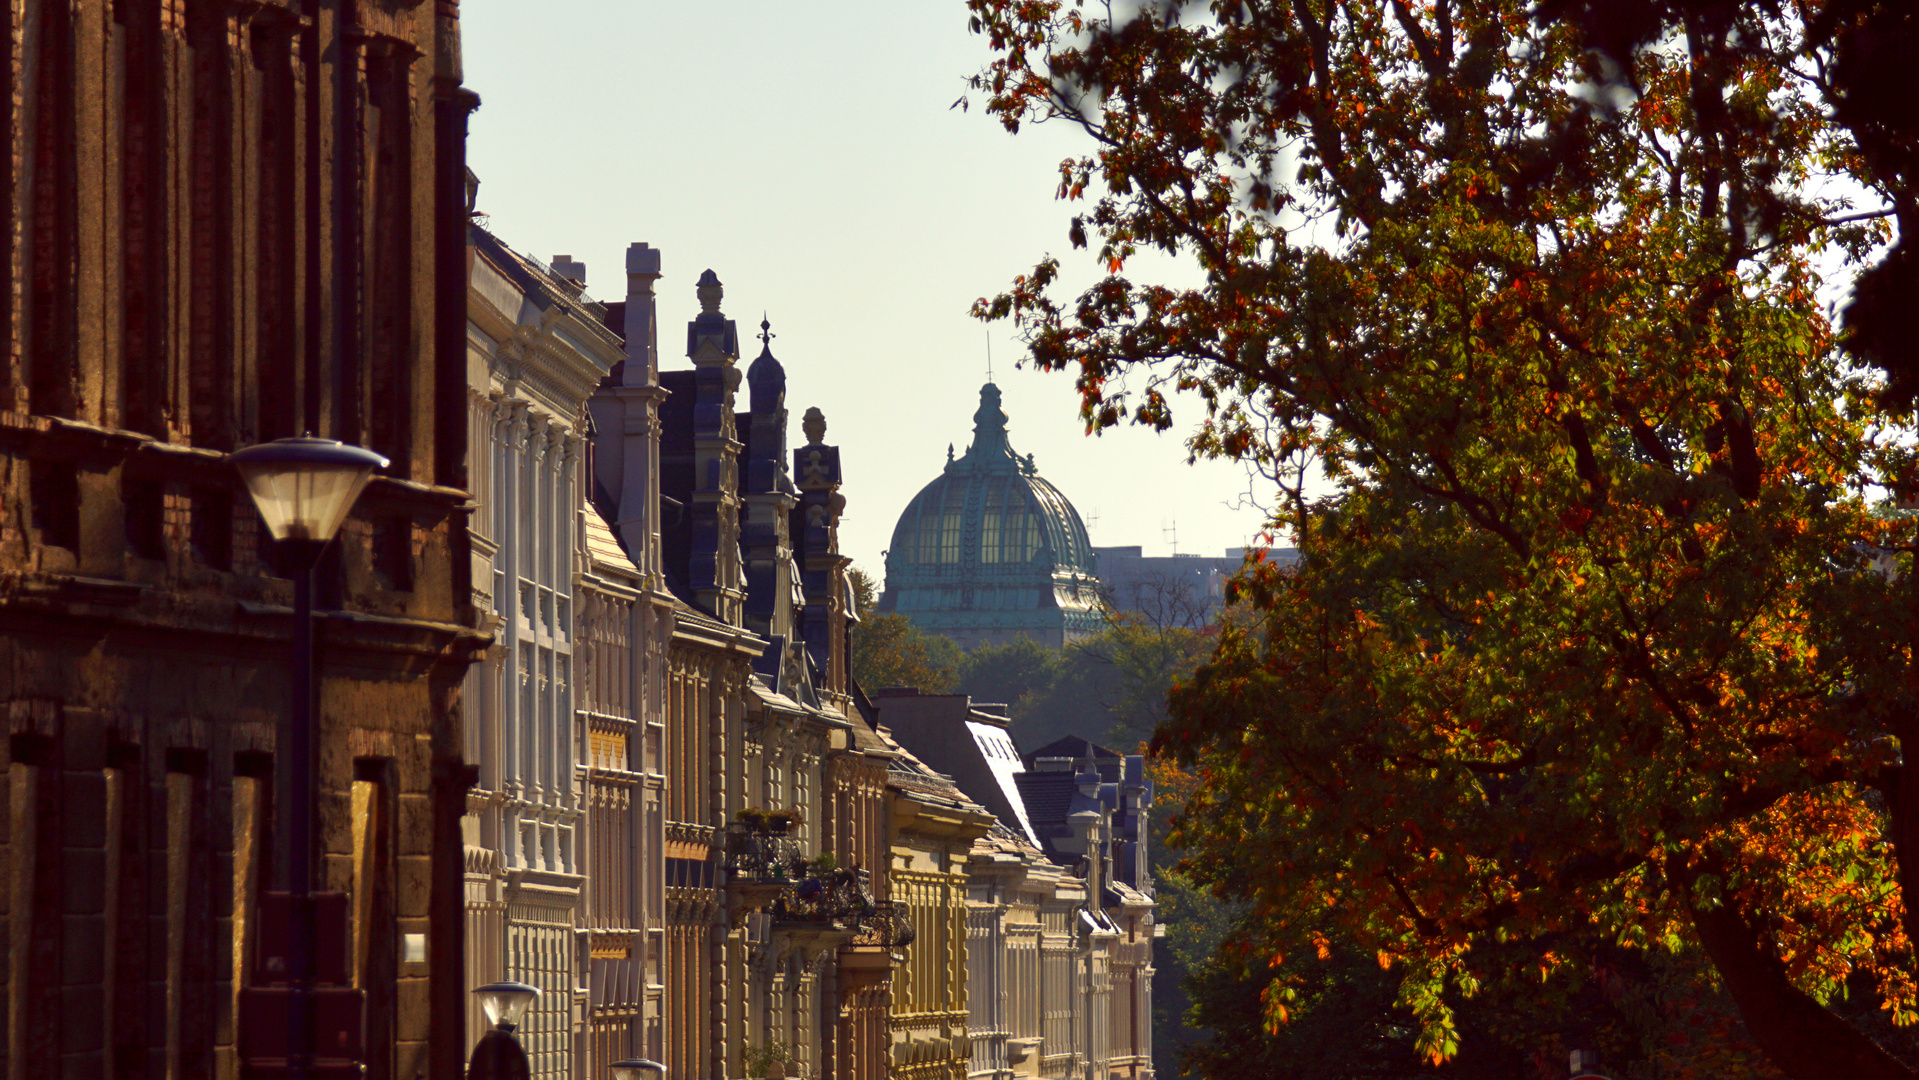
[1171,533]
[1092,520]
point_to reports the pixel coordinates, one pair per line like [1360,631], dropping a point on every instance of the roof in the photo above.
[1048,796]
[990,533]
[603,546]
[1075,747]
[908,773]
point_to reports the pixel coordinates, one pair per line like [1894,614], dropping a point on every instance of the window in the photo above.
[213,527]
[146,518]
[393,552]
[950,536]
[54,490]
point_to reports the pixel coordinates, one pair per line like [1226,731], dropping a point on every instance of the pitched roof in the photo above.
[1072,746]
[603,546]
[1048,797]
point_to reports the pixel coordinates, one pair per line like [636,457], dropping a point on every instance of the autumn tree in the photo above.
[888,650]
[1596,627]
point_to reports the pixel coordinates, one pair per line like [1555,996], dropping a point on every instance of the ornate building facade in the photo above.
[537,347]
[227,224]
[1058,895]
[932,826]
[989,551]
[777,939]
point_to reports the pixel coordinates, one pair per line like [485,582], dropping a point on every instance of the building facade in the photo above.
[990,551]
[227,224]
[933,826]
[1058,894]
[777,940]
[536,348]
[1174,590]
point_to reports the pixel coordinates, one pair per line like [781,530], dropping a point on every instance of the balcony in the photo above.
[812,899]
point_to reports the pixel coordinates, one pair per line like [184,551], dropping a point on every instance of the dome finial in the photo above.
[989,424]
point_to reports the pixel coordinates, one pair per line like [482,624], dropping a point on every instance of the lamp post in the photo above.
[303,489]
[499,1055]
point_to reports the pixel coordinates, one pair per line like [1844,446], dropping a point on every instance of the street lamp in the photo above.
[303,489]
[499,1055]
[635,1069]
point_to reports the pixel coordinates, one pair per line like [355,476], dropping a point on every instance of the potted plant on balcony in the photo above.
[768,1060]
[783,821]
[755,819]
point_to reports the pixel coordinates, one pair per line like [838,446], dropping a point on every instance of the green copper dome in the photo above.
[990,551]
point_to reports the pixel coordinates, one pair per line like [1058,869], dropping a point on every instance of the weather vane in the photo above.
[766,333]
[989,354]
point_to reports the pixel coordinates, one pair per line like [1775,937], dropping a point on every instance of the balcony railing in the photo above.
[769,870]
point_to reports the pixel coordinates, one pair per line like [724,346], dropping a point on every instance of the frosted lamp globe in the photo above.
[504,1003]
[304,487]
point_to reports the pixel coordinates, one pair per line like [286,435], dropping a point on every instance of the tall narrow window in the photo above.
[212,527]
[52,214]
[187,956]
[54,492]
[252,777]
[393,552]
[391,342]
[145,517]
[32,905]
[133,834]
[210,204]
[374,960]
[143,385]
[278,349]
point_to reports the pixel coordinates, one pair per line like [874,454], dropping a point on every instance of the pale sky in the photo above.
[806,152]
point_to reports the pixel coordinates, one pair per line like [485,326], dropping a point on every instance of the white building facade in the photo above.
[535,350]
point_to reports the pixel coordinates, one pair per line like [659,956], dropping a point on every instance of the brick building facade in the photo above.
[194,192]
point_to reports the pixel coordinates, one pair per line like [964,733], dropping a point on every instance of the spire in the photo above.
[989,426]
[766,376]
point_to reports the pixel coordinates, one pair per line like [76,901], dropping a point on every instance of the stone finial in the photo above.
[710,292]
[814,425]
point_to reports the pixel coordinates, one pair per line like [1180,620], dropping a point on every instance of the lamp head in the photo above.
[504,1003]
[304,487]
[636,1069]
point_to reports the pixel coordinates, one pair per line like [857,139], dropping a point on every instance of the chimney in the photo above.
[641,333]
[565,267]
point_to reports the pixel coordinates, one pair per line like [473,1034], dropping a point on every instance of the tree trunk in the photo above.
[1802,1037]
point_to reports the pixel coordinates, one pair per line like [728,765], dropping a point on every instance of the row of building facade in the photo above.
[691,830]
[584,716]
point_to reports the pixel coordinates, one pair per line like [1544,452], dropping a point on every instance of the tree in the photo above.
[1598,629]
[888,650]
[1008,674]
[1112,686]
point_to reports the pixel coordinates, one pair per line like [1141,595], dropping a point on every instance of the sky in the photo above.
[810,155]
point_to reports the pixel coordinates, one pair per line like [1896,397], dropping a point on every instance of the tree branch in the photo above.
[1804,1038]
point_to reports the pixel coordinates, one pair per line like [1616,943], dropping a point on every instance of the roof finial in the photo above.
[766,334]
[989,354]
